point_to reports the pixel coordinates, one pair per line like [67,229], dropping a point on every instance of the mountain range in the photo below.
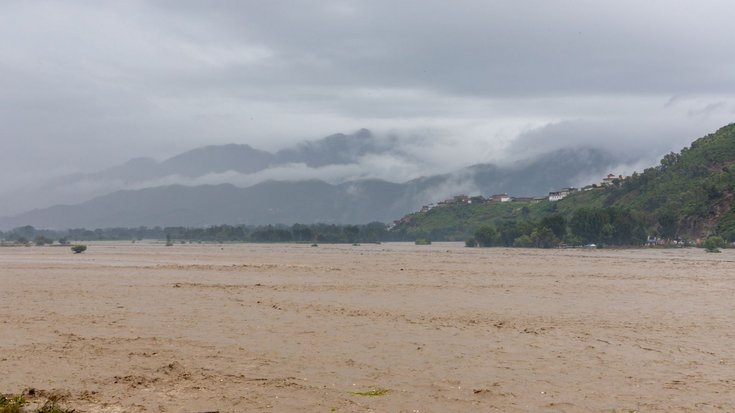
[204,163]
[147,197]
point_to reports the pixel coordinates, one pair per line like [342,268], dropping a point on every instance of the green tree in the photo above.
[41,240]
[373,232]
[587,223]
[544,238]
[27,232]
[508,232]
[607,233]
[302,233]
[629,228]
[668,225]
[556,223]
[525,211]
[351,232]
[486,236]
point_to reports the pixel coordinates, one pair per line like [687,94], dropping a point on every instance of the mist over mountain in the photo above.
[300,200]
[335,159]
[214,164]
[336,149]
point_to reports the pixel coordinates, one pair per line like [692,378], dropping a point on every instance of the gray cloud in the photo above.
[89,84]
[708,109]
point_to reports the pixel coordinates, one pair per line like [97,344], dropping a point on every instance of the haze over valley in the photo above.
[418,103]
[355,178]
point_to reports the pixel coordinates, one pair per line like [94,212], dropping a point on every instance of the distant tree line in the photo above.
[603,226]
[324,233]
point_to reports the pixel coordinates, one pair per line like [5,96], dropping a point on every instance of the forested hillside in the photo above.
[689,195]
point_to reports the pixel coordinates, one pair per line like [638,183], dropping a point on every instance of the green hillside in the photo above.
[688,195]
[694,188]
[459,222]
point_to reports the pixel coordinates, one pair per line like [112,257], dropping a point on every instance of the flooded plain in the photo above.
[372,328]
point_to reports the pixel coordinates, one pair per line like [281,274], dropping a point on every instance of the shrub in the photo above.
[524,241]
[423,241]
[470,242]
[78,249]
[713,244]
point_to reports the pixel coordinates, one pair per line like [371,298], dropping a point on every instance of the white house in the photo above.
[500,198]
[557,195]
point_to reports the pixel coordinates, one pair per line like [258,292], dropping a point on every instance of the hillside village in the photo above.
[553,196]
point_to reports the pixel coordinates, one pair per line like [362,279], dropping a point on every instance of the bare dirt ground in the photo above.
[440,328]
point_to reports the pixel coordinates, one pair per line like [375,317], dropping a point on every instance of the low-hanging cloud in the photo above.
[636,142]
[87,85]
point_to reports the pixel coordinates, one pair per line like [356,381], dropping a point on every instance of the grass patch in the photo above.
[11,404]
[372,393]
[14,404]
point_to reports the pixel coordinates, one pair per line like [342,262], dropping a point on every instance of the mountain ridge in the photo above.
[195,163]
[307,201]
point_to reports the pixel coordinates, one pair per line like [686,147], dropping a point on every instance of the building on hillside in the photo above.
[538,199]
[461,199]
[500,198]
[610,178]
[457,199]
[561,194]
[556,196]
[479,199]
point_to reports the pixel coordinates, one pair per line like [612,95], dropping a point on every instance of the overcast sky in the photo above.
[85,84]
